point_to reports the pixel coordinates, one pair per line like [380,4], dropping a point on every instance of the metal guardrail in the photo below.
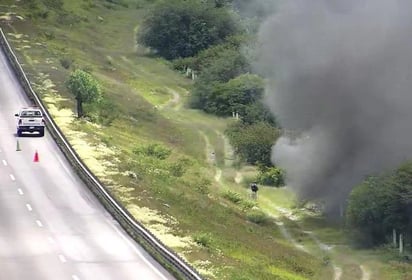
[136,230]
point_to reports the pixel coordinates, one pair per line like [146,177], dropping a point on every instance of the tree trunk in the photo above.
[79,108]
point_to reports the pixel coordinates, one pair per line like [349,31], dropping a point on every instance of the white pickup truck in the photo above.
[30,119]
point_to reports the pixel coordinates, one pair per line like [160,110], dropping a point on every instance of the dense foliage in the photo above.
[253,142]
[271,176]
[183,28]
[208,39]
[381,204]
[85,88]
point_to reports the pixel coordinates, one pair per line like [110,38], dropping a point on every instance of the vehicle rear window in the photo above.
[28,114]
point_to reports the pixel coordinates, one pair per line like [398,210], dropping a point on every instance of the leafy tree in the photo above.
[365,212]
[230,64]
[257,112]
[235,95]
[271,176]
[253,142]
[207,57]
[183,28]
[380,204]
[85,88]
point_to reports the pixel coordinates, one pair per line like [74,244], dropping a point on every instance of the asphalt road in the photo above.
[51,225]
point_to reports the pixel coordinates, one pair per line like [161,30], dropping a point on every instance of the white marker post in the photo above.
[394,238]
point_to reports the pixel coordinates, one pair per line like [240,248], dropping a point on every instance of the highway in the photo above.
[51,225]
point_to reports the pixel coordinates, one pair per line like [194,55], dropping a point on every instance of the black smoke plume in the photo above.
[340,77]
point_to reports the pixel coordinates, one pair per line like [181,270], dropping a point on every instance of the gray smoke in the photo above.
[339,76]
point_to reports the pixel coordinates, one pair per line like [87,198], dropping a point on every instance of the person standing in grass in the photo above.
[254,188]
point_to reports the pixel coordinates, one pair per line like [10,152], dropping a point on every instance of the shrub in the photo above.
[201,184]
[66,62]
[232,196]
[183,28]
[153,150]
[253,142]
[203,239]
[271,176]
[248,204]
[178,168]
[257,217]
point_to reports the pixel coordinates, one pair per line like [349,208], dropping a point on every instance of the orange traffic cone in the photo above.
[36,157]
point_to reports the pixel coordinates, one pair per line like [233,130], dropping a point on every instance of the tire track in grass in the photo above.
[366,275]
[229,153]
[211,156]
[286,213]
[337,271]
[173,102]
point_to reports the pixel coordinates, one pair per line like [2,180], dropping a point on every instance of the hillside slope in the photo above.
[170,166]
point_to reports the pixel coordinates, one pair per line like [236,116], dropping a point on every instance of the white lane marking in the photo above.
[4,162]
[12,177]
[39,223]
[134,248]
[75,277]
[62,258]
[20,191]
[29,207]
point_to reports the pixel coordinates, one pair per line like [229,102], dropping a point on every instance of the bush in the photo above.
[253,142]
[203,239]
[257,217]
[178,168]
[232,196]
[248,204]
[271,176]
[153,150]
[236,95]
[199,183]
[178,29]
[66,62]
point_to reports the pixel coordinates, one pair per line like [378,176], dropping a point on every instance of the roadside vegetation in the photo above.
[176,130]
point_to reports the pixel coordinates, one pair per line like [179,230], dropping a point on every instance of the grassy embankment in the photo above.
[182,198]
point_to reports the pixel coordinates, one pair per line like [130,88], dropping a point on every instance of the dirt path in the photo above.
[366,275]
[174,102]
[337,271]
[229,153]
[211,156]
[324,247]
[288,236]
[238,177]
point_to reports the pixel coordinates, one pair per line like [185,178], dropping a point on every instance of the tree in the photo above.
[207,57]
[253,142]
[365,212]
[177,29]
[257,112]
[380,204]
[85,88]
[271,176]
[235,95]
[228,65]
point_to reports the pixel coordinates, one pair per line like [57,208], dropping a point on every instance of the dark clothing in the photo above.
[254,188]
